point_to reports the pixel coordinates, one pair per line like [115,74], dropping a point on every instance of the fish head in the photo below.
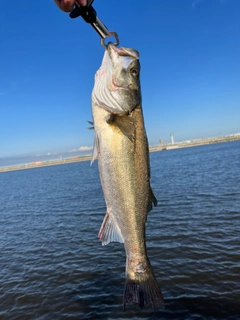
[117,82]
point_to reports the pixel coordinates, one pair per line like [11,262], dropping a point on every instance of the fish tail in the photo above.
[142,288]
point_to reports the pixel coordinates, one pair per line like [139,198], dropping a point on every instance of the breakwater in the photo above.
[195,143]
[164,146]
[38,164]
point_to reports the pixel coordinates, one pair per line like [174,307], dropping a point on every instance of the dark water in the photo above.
[52,265]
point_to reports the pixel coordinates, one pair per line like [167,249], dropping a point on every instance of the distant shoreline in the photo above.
[180,145]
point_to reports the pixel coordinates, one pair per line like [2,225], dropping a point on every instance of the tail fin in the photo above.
[143,289]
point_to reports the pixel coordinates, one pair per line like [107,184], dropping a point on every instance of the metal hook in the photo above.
[110,34]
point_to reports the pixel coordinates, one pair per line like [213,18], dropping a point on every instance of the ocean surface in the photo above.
[53,266]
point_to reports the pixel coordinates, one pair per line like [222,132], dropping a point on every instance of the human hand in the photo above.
[68,5]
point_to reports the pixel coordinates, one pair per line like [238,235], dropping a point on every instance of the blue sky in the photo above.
[190,72]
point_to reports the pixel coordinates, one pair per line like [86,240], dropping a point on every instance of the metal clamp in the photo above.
[89,14]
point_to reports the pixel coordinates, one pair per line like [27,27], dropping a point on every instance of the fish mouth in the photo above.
[122,52]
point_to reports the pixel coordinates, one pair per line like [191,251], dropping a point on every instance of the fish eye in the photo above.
[134,72]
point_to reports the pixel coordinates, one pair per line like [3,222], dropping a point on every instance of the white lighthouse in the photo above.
[172,139]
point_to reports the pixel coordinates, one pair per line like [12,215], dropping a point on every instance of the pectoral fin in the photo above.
[125,123]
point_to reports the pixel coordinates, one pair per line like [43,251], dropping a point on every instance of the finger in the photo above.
[65,5]
[68,5]
[82,3]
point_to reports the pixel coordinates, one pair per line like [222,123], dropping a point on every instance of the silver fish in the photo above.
[121,147]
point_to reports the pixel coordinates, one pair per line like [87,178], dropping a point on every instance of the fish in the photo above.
[121,147]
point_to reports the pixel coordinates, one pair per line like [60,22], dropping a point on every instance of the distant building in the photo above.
[160,141]
[172,139]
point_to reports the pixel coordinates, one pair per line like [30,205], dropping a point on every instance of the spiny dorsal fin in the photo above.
[109,231]
[91,128]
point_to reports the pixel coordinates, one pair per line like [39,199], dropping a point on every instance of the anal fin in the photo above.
[109,231]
